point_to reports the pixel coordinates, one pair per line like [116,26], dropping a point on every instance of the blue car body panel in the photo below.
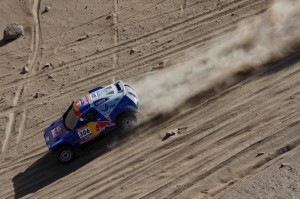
[104,104]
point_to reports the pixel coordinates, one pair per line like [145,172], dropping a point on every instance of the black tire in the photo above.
[126,121]
[65,154]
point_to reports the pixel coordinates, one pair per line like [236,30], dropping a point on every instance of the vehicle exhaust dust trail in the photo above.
[255,42]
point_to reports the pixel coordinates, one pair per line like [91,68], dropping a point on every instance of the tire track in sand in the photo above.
[62,36]
[182,8]
[30,63]
[10,122]
[115,33]
[124,45]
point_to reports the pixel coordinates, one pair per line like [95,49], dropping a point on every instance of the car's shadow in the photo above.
[47,169]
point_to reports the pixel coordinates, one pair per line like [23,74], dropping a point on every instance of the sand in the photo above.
[237,141]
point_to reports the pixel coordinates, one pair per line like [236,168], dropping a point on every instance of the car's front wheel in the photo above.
[65,154]
[126,121]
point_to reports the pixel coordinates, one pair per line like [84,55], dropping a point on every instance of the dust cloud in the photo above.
[254,43]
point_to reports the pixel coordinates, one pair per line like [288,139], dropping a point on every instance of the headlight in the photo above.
[136,101]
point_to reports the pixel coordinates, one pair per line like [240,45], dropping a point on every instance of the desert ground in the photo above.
[234,139]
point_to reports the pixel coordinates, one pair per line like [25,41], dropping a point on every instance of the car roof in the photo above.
[97,98]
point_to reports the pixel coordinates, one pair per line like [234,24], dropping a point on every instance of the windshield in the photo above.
[70,118]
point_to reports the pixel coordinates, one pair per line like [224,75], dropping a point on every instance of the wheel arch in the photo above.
[125,112]
[61,144]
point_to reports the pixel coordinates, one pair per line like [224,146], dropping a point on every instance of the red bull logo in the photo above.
[100,126]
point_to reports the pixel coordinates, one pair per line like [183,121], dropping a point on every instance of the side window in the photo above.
[90,116]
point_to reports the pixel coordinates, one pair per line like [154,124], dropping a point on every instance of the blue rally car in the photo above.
[99,112]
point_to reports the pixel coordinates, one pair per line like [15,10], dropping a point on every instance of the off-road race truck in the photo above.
[97,113]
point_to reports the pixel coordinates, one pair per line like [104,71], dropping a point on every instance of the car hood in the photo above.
[55,131]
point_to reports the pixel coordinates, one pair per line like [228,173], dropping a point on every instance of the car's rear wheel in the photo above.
[65,154]
[126,121]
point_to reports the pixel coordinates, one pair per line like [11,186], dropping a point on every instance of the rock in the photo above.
[25,70]
[108,17]
[173,132]
[47,65]
[132,51]
[47,9]
[260,153]
[282,165]
[83,38]
[168,134]
[36,95]
[50,76]
[12,31]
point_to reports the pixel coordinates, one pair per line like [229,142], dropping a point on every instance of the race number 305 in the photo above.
[84,133]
